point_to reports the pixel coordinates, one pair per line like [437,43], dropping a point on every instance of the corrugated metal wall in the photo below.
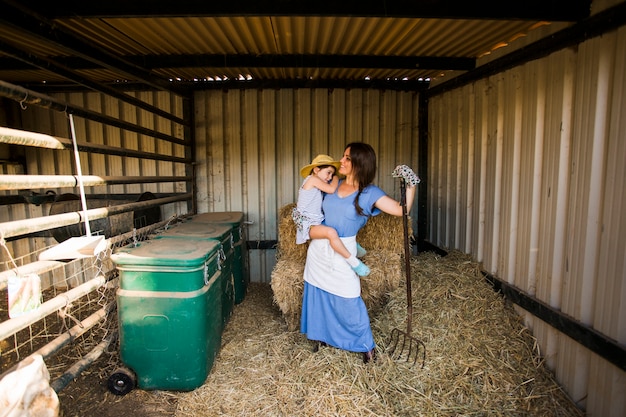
[527,174]
[250,145]
[40,161]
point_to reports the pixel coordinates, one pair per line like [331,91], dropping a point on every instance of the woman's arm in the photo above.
[393,207]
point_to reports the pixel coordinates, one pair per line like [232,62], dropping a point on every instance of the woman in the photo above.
[333,312]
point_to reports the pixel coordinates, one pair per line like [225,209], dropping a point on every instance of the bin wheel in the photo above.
[122,381]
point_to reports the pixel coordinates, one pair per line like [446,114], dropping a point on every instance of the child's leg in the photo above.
[326,232]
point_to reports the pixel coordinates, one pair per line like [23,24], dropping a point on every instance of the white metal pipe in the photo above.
[67,337]
[37,224]
[29,182]
[14,325]
[20,137]
[79,170]
[76,331]
[37,267]
[79,366]
[40,267]
[24,138]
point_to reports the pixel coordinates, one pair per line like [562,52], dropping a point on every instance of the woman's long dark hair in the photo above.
[363,160]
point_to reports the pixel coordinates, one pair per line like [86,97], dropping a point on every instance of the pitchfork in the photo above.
[398,337]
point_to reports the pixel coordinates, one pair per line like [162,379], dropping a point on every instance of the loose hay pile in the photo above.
[480,360]
[383,239]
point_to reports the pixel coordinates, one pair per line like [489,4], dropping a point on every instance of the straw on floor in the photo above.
[480,361]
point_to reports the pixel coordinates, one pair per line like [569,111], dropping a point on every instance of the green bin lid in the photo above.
[166,252]
[197,231]
[230,217]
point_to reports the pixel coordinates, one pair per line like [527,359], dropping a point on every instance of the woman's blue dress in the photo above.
[332,308]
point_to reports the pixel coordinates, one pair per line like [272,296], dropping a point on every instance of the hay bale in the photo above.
[287,247]
[383,233]
[385,277]
[383,239]
[287,287]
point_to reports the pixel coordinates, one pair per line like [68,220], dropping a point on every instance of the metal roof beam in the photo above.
[395,84]
[14,15]
[552,10]
[153,62]
[308,61]
[44,63]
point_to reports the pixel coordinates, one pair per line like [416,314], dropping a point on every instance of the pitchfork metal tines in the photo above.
[403,346]
[409,345]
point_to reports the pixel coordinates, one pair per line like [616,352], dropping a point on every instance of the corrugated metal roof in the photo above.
[300,38]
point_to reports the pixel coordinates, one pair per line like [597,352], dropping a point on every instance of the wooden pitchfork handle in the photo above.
[407,255]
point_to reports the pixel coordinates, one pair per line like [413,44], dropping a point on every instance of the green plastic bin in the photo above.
[170,311]
[241,270]
[215,232]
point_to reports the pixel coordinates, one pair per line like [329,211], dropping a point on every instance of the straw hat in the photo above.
[319,160]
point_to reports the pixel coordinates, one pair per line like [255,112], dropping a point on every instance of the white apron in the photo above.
[329,271]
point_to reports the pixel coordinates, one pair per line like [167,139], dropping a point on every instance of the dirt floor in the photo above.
[88,395]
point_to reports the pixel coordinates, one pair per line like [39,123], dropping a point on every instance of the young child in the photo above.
[319,177]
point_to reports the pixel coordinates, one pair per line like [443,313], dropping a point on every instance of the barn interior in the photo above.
[124,121]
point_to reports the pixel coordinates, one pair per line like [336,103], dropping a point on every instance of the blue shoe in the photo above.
[361,269]
[360,252]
